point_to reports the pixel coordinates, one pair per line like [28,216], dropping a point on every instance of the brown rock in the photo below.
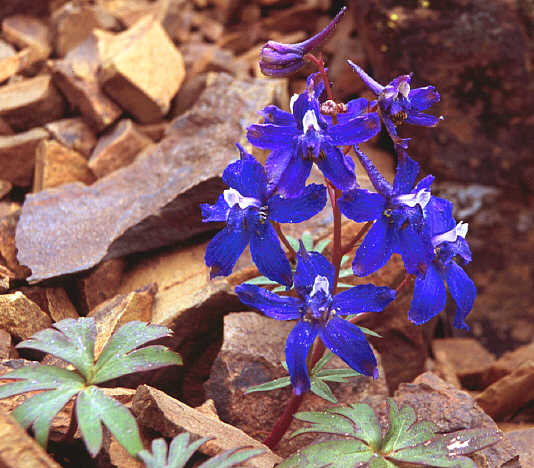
[55,165]
[250,356]
[76,77]
[7,351]
[169,417]
[466,355]
[99,284]
[130,13]
[484,80]
[30,102]
[18,449]
[506,364]
[28,32]
[73,133]
[20,316]
[118,148]
[5,188]
[5,129]
[504,397]
[453,410]
[142,80]
[154,131]
[200,57]
[11,7]
[6,279]
[523,442]
[74,22]
[152,202]
[8,249]
[17,155]
[6,50]
[59,305]
[115,312]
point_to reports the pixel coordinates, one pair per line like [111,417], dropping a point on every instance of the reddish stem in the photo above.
[284,422]
[333,193]
[284,240]
[405,281]
[356,238]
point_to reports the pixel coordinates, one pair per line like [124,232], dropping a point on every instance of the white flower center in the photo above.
[310,120]
[320,284]
[450,236]
[292,101]
[411,199]
[232,197]
[404,89]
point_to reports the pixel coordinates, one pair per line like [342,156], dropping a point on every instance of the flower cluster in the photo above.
[406,218]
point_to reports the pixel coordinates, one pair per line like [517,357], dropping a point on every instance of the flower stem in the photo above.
[284,240]
[405,281]
[336,241]
[284,421]
[356,238]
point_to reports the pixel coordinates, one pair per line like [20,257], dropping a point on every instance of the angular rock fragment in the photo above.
[150,203]
[154,131]
[523,442]
[17,155]
[5,187]
[30,102]
[55,165]
[28,32]
[8,249]
[20,316]
[169,417]
[59,305]
[144,71]
[7,350]
[5,129]
[117,148]
[73,133]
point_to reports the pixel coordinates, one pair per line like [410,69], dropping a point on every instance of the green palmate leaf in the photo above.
[344,259]
[379,462]
[321,245]
[307,240]
[70,340]
[95,406]
[260,281]
[294,243]
[332,454]
[120,357]
[180,451]
[319,388]
[272,385]
[346,272]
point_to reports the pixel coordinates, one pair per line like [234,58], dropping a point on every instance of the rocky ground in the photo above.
[107,149]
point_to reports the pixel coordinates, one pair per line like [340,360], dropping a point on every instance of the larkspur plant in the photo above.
[402,217]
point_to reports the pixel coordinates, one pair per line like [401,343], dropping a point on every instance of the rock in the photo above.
[99,284]
[30,102]
[59,305]
[7,350]
[76,77]
[18,449]
[523,442]
[20,316]
[73,133]
[118,148]
[11,7]
[169,417]
[5,188]
[55,165]
[200,57]
[8,249]
[17,155]
[150,203]
[467,54]
[130,13]
[250,356]
[5,129]
[139,79]
[453,410]
[467,357]
[154,131]
[503,398]
[28,32]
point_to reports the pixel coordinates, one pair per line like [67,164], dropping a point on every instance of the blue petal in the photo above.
[355,131]
[273,114]
[270,136]
[355,108]
[438,213]
[298,344]
[293,178]
[419,118]
[415,247]
[375,87]
[309,266]
[425,183]
[268,255]
[349,343]
[272,305]
[336,169]
[296,210]
[216,212]
[423,98]
[390,127]
[429,296]
[315,85]
[277,163]
[376,248]
[247,176]
[223,251]
[463,291]
[362,298]
[361,205]
[405,174]
[461,247]
[303,104]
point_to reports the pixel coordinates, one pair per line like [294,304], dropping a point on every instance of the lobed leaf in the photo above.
[232,458]
[344,285]
[272,385]
[324,422]
[365,423]
[380,462]
[322,390]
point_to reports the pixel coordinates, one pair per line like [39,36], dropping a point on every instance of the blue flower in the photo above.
[448,240]
[318,312]
[398,213]
[398,103]
[247,208]
[305,137]
[278,59]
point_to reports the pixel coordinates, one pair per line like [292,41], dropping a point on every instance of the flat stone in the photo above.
[8,248]
[507,395]
[17,155]
[6,50]
[144,72]
[5,187]
[59,305]
[150,203]
[523,442]
[20,316]
[154,131]
[26,31]
[5,129]
[118,148]
[31,102]
[129,12]
[56,164]
[452,410]
[76,76]
[73,133]
[169,417]
[11,7]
